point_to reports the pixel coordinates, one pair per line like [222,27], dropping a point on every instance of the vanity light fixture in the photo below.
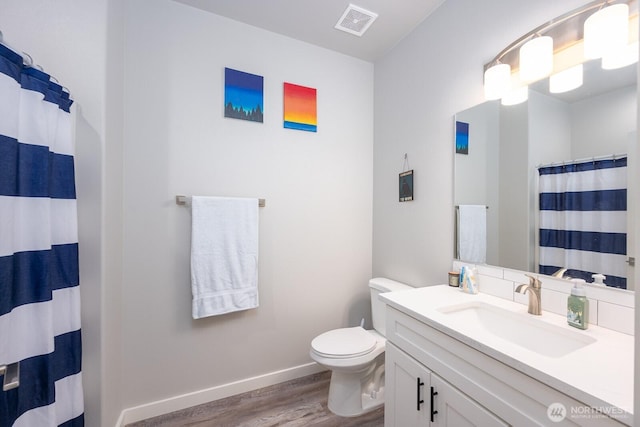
[557,48]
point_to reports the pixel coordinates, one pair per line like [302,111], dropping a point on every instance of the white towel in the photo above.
[224,255]
[472,233]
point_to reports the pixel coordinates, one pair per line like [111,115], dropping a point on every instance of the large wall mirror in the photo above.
[508,144]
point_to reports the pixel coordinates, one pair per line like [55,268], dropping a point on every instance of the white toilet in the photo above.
[355,357]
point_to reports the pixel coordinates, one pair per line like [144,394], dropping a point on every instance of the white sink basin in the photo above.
[522,329]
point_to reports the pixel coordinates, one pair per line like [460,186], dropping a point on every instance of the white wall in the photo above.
[602,125]
[550,130]
[514,177]
[474,168]
[111,379]
[315,231]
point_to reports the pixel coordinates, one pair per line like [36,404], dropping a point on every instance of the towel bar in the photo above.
[458,207]
[183,200]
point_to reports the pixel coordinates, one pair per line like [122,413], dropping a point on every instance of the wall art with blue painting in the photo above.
[243,95]
[462,138]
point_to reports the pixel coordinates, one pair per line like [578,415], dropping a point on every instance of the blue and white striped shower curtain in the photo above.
[39,279]
[583,219]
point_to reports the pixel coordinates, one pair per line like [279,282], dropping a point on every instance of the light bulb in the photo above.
[497,81]
[566,80]
[536,59]
[606,30]
[621,58]
[516,96]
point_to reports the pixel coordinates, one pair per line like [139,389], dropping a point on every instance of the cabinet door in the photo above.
[454,409]
[407,385]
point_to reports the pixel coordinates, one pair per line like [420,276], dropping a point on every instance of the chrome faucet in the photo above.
[534,287]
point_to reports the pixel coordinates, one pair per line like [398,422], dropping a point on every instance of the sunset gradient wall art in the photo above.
[300,110]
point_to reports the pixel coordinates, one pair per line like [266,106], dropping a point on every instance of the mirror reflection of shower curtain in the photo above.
[39,278]
[583,219]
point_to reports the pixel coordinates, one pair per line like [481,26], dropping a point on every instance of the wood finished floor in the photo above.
[297,403]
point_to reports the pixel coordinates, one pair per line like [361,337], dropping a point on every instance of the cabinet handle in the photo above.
[433,411]
[419,401]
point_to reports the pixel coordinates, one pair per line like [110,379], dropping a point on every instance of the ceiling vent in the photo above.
[356,20]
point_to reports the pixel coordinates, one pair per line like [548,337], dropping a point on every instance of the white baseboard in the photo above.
[176,403]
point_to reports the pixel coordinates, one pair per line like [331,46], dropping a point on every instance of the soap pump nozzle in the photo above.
[598,279]
[578,288]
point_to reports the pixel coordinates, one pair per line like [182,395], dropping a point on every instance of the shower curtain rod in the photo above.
[586,159]
[27,60]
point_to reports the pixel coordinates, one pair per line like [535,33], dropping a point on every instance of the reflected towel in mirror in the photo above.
[472,233]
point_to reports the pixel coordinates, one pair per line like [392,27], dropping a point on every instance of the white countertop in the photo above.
[599,374]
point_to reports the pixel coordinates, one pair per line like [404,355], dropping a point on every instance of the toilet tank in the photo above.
[377,286]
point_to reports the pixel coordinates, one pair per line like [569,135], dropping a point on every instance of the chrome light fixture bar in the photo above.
[562,44]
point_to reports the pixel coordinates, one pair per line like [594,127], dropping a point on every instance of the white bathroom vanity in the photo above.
[455,359]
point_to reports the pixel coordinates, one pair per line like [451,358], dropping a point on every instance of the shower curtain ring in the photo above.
[27,59]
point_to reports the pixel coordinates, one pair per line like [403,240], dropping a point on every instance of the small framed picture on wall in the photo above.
[462,138]
[406,186]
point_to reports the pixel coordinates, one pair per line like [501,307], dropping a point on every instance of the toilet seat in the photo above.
[344,343]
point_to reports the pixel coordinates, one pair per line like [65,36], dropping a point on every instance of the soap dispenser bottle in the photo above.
[578,306]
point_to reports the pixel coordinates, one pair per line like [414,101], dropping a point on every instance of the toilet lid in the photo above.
[345,342]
